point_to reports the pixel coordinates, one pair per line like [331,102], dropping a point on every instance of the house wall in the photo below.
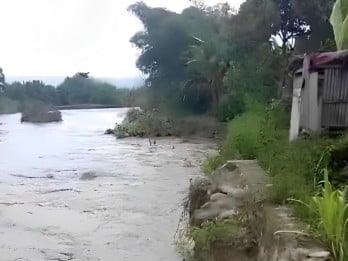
[310,113]
[306,105]
[335,98]
[296,108]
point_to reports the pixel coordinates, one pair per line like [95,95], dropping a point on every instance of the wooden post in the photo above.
[296,108]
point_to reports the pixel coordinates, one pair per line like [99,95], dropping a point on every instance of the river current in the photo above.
[128,208]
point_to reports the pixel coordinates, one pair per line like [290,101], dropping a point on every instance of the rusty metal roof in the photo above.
[316,61]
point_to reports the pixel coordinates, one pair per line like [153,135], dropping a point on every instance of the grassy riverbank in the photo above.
[296,169]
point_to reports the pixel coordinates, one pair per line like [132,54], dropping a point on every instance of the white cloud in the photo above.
[60,37]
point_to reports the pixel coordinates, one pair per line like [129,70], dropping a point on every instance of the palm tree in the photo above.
[206,67]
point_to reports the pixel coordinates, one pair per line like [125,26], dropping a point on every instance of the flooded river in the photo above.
[126,206]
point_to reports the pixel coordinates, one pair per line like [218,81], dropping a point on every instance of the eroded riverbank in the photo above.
[130,211]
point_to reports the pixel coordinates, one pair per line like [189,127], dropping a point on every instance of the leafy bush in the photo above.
[210,232]
[145,124]
[339,21]
[212,163]
[262,133]
[8,105]
[229,107]
[332,209]
[243,135]
[330,212]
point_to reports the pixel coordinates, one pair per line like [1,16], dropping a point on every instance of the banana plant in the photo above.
[339,22]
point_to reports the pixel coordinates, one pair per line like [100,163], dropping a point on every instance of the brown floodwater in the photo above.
[127,207]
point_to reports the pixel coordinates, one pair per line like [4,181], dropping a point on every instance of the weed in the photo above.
[213,231]
[211,164]
[330,217]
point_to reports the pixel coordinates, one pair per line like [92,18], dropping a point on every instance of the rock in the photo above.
[227,214]
[237,191]
[219,206]
[121,135]
[233,192]
[198,194]
[109,132]
[225,177]
[301,254]
[217,196]
[88,175]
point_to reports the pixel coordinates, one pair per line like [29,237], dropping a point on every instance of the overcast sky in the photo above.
[61,37]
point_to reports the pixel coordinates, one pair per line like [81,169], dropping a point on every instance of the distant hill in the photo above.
[126,82]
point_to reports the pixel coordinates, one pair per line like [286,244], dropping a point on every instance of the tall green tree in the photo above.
[161,45]
[290,26]
[32,90]
[316,13]
[207,65]
[80,90]
[252,25]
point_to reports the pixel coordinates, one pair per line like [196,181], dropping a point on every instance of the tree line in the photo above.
[73,90]
[211,59]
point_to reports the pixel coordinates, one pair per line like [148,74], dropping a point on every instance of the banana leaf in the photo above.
[339,21]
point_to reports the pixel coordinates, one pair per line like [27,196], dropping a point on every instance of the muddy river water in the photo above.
[126,206]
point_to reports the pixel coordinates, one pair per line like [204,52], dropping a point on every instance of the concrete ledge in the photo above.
[239,188]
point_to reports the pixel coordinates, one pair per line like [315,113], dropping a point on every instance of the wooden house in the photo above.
[320,93]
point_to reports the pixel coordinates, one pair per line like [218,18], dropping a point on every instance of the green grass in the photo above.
[242,137]
[213,231]
[329,209]
[295,169]
[211,164]
[262,133]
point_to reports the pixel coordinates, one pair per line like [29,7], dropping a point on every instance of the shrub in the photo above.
[229,107]
[145,124]
[330,217]
[243,135]
[7,105]
[211,164]
[211,232]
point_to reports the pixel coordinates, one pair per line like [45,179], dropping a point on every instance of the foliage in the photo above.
[79,90]
[39,112]
[328,45]
[8,105]
[164,30]
[74,90]
[339,21]
[243,133]
[193,85]
[262,133]
[212,163]
[214,54]
[290,26]
[145,124]
[244,36]
[213,231]
[32,90]
[229,107]
[206,66]
[332,209]
[254,75]
[330,217]
[316,13]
